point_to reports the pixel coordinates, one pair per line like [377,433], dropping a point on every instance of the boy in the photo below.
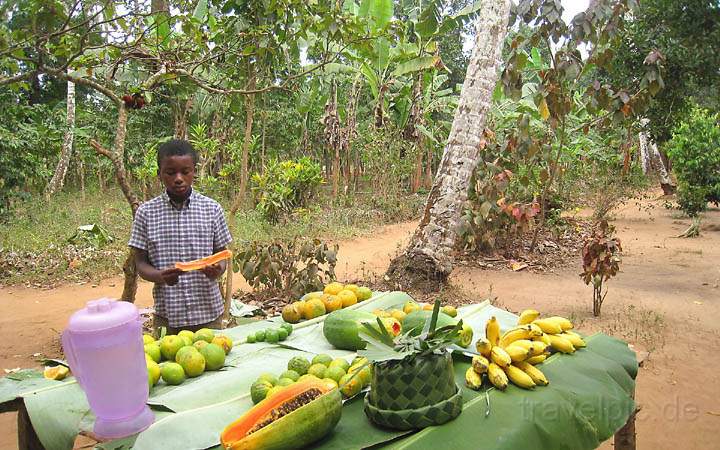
[180,225]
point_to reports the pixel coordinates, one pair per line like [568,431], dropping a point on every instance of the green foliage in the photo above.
[284,186]
[290,268]
[686,35]
[30,136]
[695,153]
[601,261]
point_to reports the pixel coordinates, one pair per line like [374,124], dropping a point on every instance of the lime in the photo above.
[318,370]
[285,382]
[288,328]
[335,372]
[272,379]
[205,334]
[250,339]
[322,359]
[271,336]
[260,336]
[299,365]
[290,374]
[147,339]
[340,362]
[214,356]
[282,334]
[153,351]
[172,373]
[259,390]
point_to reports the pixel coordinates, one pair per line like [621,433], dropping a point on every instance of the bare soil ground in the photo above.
[665,301]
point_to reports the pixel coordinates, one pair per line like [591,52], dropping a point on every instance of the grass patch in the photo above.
[34,247]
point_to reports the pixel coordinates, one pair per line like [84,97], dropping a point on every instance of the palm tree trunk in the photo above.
[58,179]
[428,259]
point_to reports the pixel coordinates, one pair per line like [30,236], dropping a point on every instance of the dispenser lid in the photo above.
[102,314]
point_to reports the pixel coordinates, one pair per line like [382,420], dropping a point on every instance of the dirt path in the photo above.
[666,300]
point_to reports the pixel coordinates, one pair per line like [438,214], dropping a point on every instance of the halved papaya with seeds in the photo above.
[204,262]
[294,417]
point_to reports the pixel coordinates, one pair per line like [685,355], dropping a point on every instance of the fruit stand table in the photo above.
[590,398]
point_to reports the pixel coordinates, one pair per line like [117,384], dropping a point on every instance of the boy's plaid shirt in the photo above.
[170,235]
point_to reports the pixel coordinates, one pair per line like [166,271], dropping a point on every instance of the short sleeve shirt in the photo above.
[171,235]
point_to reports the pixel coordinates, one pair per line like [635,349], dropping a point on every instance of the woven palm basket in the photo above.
[415,392]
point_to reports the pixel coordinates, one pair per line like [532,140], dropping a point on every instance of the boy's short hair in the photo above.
[176,147]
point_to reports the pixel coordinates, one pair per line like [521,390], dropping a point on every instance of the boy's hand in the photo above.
[213,271]
[170,276]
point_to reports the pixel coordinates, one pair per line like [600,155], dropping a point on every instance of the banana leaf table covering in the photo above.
[590,397]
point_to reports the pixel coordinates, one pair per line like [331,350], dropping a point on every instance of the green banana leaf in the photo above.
[589,397]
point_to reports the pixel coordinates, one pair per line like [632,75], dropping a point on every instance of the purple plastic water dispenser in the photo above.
[104,348]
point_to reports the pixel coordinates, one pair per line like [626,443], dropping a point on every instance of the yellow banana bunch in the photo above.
[548,326]
[528,316]
[574,338]
[499,356]
[536,359]
[480,364]
[497,376]
[492,331]
[483,347]
[517,353]
[542,338]
[561,344]
[534,348]
[519,377]
[564,323]
[473,380]
[537,376]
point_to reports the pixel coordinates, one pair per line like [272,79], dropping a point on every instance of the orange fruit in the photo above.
[313,308]
[332,302]
[347,297]
[333,288]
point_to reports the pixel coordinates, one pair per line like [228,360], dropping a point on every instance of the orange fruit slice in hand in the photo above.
[204,262]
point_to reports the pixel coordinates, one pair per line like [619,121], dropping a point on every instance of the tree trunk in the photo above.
[247,139]
[116,156]
[429,167]
[58,179]
[349,131]
[181,111]
[333,138]
[428,259]
[411,133]
[651,159]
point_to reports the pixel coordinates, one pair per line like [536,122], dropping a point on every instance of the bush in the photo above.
[284,186]
[287,267]
[695,153]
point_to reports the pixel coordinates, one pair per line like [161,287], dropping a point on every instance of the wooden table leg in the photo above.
[27,438]
[625,437]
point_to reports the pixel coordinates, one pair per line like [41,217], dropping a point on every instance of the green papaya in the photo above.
[342,328]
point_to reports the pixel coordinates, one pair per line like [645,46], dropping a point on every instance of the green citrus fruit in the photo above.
[183,351]
[205,334]
[250,339]
[193,363]
[260,336]
[290,374]
[333,288]
[153,370]
[153,350]
[200,344]
[318,370]
[330,381]
[214,356]
[271,336]
[259,390]
[287,327]
[270,378]
[340,362]
[172,373]
[322,359]
[169,346]
[285,382]
[282,334]
[335,372]
[224,342]
[363,294]
[307,376]
[292,313]
[349,385]
[299,365]
[274,390]
[147,339]
[187,333]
